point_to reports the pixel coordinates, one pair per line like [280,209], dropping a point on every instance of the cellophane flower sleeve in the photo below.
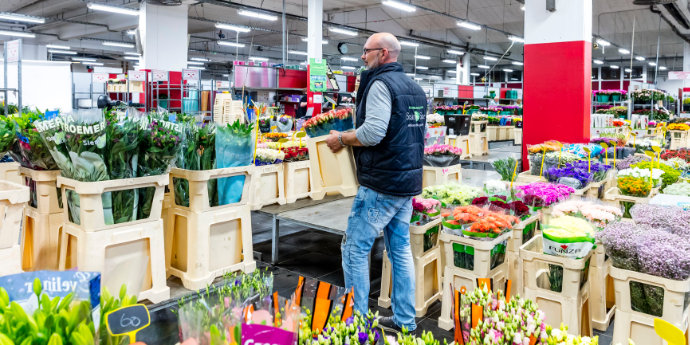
[122,160]
[30,150]
[197,153]
[234,148]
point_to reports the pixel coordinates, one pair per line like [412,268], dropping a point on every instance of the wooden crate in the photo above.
[331,172]
[601,290]
[441,175]
[267,186]
[133,255]
[517,136]
[40,241]
[11,259]
[91,212]
[479,145]
[455,277]
[427,281]
[200,246]
[198,186]
[639,326]
[46,189]
[9,171]
[297,181]
[571,305]
[478,127]
[462,142]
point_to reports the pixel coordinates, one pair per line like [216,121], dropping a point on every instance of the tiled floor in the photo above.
[316,254]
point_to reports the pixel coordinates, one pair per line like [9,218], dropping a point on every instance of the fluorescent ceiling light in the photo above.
[475,74]
[230,44]
[614,66]
[347,58]
[92,63]
[83,59]
[448,61]
[422,57]
[259,15]
[132,53]
[21,18]
[452,71]
[623,51]
[507,70]
[226,75]
[347,67]
[231,27]
[418,79]
[256,58]
[422,67]
[662,68]
[652,64]
[435,77]
[628,70]
[399,5]
[132,32]
[305,39]
[196,67]
[195,63]
[297,52]
[118,44]
[522,7]
[471,26]
[603,42]
[517,63]
[598,62]
[343,31]
[409,74]
[132,58]
[64,52]
[639,58]
[17,33]
[55,46]
[409,44]
[516,39]
[199,59]
[455,52]
[112,9]
[484,66]
[490,58]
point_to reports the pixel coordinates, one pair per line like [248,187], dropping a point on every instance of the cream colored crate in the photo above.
[513,252]
[167,204]
[595,190]
[526,177]
[198,186]
[479,145]
[456,277]
[417,237]
[515,274]
[639,326]
[462,142]
[433,176]
[91,212]
[571,306]
[11,259]
[517,136]
[46,189]
[502,133]
[9,171]
[13,197]
[331,172]
[510,133]
[602,299]
[132,255]
[427,281]
[614,198]
[267,186]
[40,242]
[492,133]
[202,246]
[679,139]
[478,127]
[297,181]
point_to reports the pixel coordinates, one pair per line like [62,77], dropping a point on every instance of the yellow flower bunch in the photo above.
[678,127]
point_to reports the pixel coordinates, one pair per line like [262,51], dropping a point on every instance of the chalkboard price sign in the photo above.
[128,321]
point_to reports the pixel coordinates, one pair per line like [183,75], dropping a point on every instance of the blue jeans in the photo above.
[373,212]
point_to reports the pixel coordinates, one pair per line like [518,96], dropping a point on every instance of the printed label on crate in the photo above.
[13,50]
[157,75]
[190,74]
[100,77]
[137,75]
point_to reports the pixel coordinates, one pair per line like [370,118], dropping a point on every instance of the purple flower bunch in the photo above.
[548,193]
[607,141]
[625,163]
[555,174]
[672,219]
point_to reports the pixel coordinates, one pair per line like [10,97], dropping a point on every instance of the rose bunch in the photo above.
[442,150]
[598,214]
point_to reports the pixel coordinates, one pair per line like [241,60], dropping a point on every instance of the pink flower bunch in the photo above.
[328,116]
[442,150]
[425,205]
[549,193]
[599,215]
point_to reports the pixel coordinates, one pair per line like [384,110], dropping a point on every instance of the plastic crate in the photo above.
[566,302]
[639,325]
[526,177]
[441,175]
[522,232]
[11,259]
[601,290]
[479,145]
[297,181]
[198,181]
[40,241]
[492,133]
[13,197]
[418,237]
[517,136]
[46,192]
[462,142]
[9,171]
[679,139]
[331,172]
[625,202]
[267,186]
[427,281]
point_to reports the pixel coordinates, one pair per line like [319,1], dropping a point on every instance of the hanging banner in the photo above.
[137,75]
[190,74]
[317,75]
[157,75]
[13,50]
[676,75]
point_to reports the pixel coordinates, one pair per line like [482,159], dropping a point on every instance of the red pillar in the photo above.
[557,73]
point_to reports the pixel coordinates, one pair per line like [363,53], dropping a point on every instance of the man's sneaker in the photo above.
[387,323]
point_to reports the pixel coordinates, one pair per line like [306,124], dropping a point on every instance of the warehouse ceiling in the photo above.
[433,26]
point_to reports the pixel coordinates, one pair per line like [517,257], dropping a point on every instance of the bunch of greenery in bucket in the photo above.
[29,150]
[452,194]
[649,249]
[198,152]
[505,167]
[7,134]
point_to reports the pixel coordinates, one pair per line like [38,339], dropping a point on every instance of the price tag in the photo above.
[589,158]
[543,155]
[300,135]
[128,321]
[606,152]
[281,141]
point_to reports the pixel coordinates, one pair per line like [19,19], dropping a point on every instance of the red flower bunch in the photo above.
[295,154]
[618,123]
[680,153]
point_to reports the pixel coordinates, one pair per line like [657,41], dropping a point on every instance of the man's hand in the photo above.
[332,141]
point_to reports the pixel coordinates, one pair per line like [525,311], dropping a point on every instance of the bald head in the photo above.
[388,41]
[381,48]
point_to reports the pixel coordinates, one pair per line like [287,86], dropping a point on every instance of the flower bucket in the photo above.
[603,97]
[616,97]
[441,160]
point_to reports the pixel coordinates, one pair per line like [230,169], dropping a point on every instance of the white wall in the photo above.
[163,31]
[45,84]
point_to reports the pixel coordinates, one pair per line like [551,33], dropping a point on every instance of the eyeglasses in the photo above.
[367,50]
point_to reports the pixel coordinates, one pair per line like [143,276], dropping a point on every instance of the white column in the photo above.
[314,28]
[644,73]
[686,57]
[163,31]
[465,69]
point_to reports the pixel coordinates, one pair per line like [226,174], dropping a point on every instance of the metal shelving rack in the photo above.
[6,57]
[156,87]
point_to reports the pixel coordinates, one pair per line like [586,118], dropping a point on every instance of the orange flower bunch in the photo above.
[634,186]
[484,221]
[275,136]
[551,145]
[618,123]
